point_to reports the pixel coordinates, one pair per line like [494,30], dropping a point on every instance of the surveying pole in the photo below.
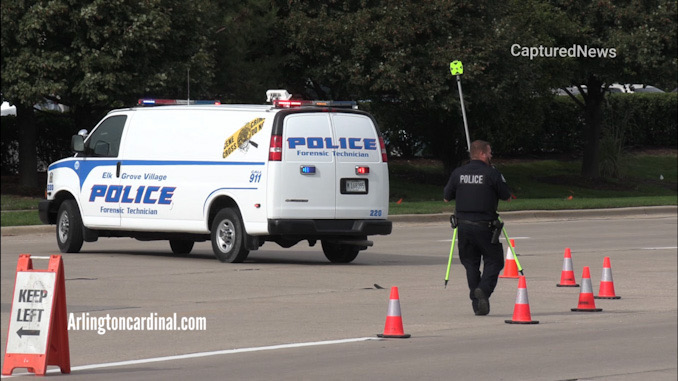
[457,69]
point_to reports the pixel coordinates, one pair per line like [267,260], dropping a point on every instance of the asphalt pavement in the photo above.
[443,217]
[289,314]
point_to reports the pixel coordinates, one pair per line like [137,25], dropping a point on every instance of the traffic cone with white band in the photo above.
[606,290]
[567,275]
[586,301]
[510,268]
[521,311]
[394,321]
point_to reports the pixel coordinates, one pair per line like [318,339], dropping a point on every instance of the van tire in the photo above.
[228,236]
[181,247]
[69,227]
[339,252]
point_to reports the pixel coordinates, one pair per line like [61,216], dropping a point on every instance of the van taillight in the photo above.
[275,150]
[384,157]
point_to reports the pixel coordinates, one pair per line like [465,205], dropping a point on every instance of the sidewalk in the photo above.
[638,212]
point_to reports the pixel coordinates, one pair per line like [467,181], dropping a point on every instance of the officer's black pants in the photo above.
[474,247]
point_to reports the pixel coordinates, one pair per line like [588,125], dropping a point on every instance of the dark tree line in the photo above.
[393,55]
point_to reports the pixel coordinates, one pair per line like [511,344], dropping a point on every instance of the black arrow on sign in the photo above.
[28,332]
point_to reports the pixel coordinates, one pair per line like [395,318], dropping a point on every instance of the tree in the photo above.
[26,57]
[97,55]
[396,55]
[251,55]
[643,36]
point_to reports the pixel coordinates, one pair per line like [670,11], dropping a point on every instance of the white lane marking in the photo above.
[500,238]
[659,248]
[203,354]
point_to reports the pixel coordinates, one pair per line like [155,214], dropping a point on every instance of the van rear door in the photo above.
[322,154]
[308,177]
[362,177]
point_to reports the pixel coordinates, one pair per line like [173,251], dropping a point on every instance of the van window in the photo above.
[105,140]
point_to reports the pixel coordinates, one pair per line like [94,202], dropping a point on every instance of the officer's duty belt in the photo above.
[485,224]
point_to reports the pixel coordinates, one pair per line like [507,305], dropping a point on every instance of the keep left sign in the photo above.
[31,312]
[37,334]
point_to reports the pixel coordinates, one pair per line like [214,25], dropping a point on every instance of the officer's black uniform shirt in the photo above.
[477,188]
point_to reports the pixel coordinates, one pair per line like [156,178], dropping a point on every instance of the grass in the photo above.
[20,218]
[14,202]
[19,210]
[650,179]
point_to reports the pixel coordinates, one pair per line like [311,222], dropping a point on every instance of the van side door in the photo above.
[100,189]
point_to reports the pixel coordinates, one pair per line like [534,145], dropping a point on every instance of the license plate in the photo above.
[353,186]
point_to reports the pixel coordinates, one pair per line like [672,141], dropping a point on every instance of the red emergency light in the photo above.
[362,170]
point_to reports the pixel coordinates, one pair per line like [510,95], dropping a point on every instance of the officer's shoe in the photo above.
[483,302]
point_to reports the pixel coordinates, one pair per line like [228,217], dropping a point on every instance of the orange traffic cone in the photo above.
[511,268]
[606,290]
[586,301]
[394,321]
[521,311]
[567,275]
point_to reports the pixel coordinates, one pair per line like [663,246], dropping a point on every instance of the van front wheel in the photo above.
[339,252]
[69,227]
[228,236]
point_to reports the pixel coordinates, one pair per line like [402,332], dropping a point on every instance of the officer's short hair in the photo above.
[477,147]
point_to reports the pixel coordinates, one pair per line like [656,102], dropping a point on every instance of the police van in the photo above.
[237,175]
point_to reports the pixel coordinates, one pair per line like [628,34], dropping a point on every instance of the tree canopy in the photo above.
[392,55]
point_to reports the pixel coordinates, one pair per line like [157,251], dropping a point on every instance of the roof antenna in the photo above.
[188,85]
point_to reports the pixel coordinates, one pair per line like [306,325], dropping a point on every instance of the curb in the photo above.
[23,230]
[541,215]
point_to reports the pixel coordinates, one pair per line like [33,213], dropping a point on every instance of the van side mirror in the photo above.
[78,143]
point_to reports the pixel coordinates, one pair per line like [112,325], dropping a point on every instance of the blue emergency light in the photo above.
[158,102]
[307,169]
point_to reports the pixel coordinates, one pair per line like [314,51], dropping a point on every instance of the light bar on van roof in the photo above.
[163,102]
[289,103]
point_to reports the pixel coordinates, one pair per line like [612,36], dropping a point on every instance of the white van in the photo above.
[238,175]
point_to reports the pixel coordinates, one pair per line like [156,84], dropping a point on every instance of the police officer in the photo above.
[477,188]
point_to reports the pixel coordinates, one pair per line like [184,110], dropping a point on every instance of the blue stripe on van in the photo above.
[188,162]
[86,165]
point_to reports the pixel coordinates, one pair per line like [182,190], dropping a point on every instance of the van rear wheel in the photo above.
[181,247]
[340,252]
[228,236]
[69,227]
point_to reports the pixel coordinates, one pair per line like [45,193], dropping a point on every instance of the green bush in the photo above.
[54,131]
[652,118]
[563,127]
[9,146]
[633,120]
[523,127]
